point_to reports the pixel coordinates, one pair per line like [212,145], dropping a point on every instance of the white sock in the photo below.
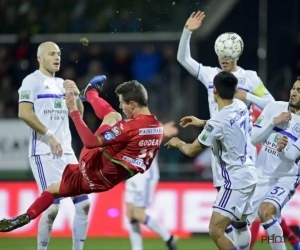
[135,235]
[45,225]
[158,228]
[80,223]
[229,232]
[242,236]
[275,234]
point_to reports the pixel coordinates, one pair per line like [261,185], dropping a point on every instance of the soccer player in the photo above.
[251,89]
[227,134]
[139,191]
[43,108]
[278,179]
[117,151]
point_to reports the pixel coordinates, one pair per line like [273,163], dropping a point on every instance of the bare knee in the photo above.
[266,211]
[129,211]
[217,225]
[139,214]
[54,189]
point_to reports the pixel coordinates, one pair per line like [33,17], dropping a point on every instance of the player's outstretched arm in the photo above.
[260,96]
[189,149]
[184,51]
[191,121]
[291,154]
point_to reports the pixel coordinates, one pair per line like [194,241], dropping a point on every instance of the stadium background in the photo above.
[136,40]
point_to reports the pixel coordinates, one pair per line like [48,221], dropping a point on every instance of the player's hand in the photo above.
[174,142]
[241,95]
[195,20]
[191,121]
[284,117]
[70,86]
[71,101]
[55,146]
[170,129]
[282,142]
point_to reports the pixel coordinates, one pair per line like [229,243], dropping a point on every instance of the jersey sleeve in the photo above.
[28,90]
[212,131]
[121,132]
[263,125]
[204,73]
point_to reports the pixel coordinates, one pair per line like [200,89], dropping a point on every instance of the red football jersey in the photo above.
[133,143]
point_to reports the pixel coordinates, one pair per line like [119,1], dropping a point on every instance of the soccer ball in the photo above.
[229,46]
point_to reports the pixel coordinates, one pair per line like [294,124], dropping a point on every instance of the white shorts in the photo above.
[216,169]
[277,191]
[47,170]
[234,203]
[139,190]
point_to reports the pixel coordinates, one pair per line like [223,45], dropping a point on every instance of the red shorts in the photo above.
[94,173]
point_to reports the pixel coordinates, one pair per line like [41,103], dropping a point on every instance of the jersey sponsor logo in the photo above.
[296,129]
[57,103]
[151,131]
[116,131]
[208,128]
[25,95]
[259,120]
[153,142]
[47,87]
[135,162]
[108,135]
[277,137]
[204,136]
[241,81]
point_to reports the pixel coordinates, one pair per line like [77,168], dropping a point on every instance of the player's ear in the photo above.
[132,105]
[39,59]
[215,91]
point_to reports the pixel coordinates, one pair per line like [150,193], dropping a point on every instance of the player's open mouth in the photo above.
[224,64]
[56,64]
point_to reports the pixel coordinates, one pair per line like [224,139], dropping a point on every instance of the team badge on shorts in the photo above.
[108,135]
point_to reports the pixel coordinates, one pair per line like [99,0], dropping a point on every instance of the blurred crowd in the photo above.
[92,16]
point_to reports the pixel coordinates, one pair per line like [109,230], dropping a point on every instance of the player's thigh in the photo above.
[281,192]
[46,170]
[234,203]
[260,192]
[145,188]
[130,189]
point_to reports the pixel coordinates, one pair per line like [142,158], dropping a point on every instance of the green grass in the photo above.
[195,243]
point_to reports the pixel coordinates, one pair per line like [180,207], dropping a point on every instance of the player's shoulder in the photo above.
[249,73]
[32,77]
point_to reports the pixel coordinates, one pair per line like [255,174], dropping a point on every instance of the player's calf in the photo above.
[217,226]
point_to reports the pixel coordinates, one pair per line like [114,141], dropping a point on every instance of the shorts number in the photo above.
[277,190]
[146,155]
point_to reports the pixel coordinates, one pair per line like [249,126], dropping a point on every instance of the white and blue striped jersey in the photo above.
[227,134]
[47,96]
[268,161]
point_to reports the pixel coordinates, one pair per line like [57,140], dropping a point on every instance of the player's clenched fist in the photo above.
[282,118]
[282,142]
[71,101]
[70,86]
[191,121]
[55,146]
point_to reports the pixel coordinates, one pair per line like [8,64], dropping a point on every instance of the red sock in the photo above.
[40,205]
[254,231]
[288,232]
[100,106]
